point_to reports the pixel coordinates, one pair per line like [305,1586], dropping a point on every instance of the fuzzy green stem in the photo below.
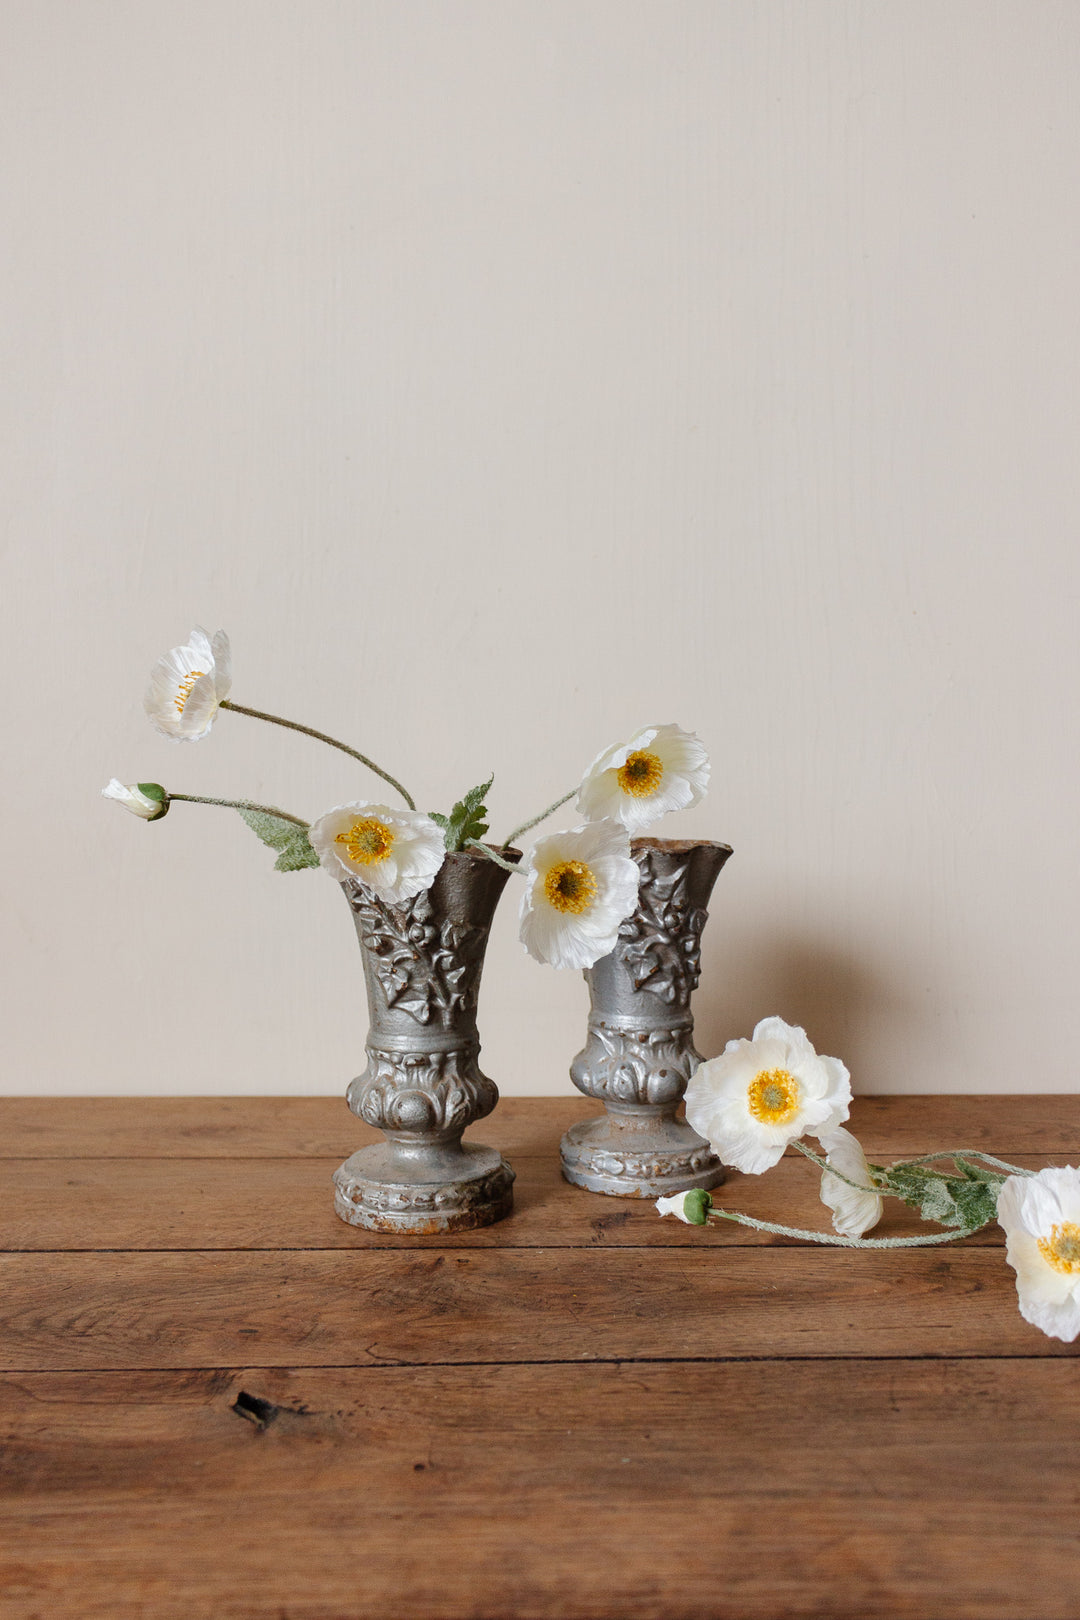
[966,1153]
[320,736]
[836,1241]
[484,849]
[527,826]
[823,1164]
[238,804]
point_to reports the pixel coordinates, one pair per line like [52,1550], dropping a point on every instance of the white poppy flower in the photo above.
[855,1210]
[579,887]
[394,853]
[1040,1216]
[760,1095]
[140,799]
[660,769]
[187,686]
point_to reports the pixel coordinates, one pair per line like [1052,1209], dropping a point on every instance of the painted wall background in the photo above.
[503,377]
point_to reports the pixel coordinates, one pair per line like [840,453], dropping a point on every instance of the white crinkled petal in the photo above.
[200,710]
[793,1038]
[854,1212]
[130,797]
[222,655]
[838,1091]
[1052,1196]
[675,1205]
[200,648]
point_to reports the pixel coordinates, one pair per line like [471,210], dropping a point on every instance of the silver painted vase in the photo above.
[422,1086]
[640,1051]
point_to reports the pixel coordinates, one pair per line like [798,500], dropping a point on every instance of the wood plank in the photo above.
[746,1490]
[354,1309]
[145,1204]
[322,1127]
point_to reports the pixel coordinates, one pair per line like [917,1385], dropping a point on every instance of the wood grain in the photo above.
[322,1127]
[504,1305]
[749,1489]
[582,1413]
[287,1204]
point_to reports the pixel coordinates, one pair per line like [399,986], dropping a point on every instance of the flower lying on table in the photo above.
[764,1095]
[580,885]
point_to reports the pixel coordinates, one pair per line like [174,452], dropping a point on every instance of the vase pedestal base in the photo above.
[644,1152]
[425,1189]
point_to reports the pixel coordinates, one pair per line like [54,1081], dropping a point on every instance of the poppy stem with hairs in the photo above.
[507,866]
[831,1170]
[240,804]
[320,736]
[837,1242]
[527,826]
[969,1153]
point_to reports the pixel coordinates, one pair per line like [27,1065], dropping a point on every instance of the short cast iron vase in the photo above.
[640,1051]
[422,1086]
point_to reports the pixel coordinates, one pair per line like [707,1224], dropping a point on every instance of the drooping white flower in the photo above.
[146,799]
[394,853]
[188,685]
[689,1206]
[760,1095]
[1040,1216]
[579,886]
[661,768]
[855,1209]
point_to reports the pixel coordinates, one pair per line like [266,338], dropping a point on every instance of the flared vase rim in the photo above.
[678,846]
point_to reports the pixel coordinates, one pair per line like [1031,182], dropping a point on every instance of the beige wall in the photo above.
[504,375]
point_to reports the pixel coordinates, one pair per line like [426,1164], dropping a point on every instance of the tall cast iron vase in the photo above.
[422,1086]
[640,1051]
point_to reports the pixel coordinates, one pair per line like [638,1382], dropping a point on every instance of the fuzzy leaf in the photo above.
[297,854]
[292,842]
[467,819]
[967,1201]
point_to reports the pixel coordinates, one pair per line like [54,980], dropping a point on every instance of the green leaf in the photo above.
[967,1201]
[287,837]
[467,819]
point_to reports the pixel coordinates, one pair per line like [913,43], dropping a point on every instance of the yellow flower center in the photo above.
[773,1096]
[185,689]
[1062,1248]
[570,886]
[367,841]
[642,773]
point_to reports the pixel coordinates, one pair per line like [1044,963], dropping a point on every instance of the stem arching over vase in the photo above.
[640,1052]
[423,1085]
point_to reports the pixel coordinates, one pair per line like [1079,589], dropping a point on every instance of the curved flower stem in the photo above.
[927,1158]
[507,866]
[320,736]
[239,804]
[838,1242]
[822,1164]
[969,1153]
[527,826]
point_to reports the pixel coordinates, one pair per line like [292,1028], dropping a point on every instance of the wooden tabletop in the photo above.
[218,1402]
